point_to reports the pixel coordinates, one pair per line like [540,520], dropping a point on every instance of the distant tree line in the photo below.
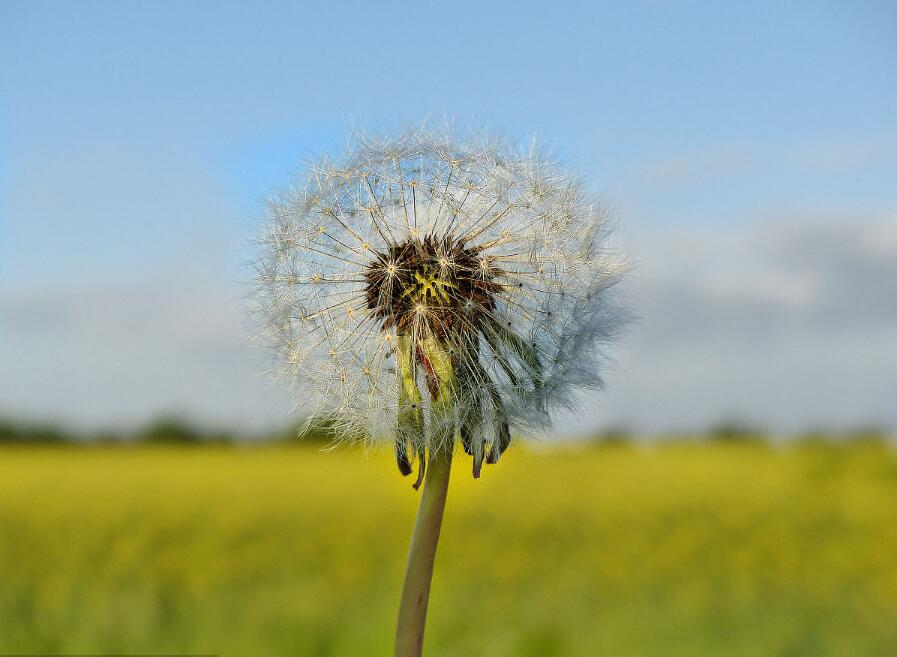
[178,431]
[737,432]
[161,431]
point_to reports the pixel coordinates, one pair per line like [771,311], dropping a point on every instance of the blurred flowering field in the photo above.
[688,550]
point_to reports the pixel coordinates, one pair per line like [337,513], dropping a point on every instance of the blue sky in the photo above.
[137,141]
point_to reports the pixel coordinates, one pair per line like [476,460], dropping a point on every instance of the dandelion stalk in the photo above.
[421,555]
[436,291]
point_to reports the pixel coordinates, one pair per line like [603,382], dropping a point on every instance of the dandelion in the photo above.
[433,292]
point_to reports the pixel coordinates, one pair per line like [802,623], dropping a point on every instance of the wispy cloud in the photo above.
[732,159]
[121,354]
[789,323]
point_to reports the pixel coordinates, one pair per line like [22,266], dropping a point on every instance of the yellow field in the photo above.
[676,551]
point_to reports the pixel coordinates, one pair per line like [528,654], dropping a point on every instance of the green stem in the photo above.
[421,554]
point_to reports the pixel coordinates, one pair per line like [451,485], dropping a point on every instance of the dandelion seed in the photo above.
[473,249]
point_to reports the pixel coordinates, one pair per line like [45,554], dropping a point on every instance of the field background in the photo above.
[680,550]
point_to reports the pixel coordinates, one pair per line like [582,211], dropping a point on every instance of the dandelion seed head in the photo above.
[431,290]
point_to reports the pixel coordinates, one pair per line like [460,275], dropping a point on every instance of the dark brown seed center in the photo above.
[435,283]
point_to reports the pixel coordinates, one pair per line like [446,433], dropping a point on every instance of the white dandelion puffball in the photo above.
[429,290]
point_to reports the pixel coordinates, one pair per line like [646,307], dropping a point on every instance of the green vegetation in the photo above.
[686,550]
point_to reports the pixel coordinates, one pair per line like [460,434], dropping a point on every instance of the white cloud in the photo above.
[788,323]
[123,354]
